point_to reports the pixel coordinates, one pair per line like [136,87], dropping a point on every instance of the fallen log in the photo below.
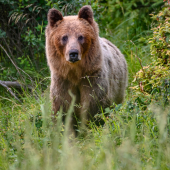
[14,84]
[8,84]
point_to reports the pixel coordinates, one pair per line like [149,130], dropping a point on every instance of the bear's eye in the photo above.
[65,38]
[80,38]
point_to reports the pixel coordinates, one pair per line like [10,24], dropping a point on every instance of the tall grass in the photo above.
[132,138]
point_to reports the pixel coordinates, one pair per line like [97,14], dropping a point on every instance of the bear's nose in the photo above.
[73,54]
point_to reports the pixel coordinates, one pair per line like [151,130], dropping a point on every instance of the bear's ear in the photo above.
[86,13]
[54,16]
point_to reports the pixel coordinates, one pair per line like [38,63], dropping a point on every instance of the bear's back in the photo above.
[115,69]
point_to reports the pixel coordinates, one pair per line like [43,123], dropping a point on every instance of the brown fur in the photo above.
[98,78]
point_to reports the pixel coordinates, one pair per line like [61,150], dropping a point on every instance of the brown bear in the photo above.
[92,68]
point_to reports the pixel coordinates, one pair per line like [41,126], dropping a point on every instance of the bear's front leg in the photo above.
[93,98]
[59,95]
[61,98]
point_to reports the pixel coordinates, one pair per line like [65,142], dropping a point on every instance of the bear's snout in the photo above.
[73,55]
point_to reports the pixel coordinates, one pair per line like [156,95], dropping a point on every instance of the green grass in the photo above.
[132,138]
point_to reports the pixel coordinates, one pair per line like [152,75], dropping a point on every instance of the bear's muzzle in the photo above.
[73,55]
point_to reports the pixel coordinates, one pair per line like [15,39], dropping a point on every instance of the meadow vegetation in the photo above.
[136,134]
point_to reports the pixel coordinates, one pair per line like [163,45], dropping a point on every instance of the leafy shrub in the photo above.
[154,78]
[160,42]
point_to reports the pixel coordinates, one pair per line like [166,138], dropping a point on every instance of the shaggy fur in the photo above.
[98,79]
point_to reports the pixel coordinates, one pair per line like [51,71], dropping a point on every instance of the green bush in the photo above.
[160,42]
[155,78]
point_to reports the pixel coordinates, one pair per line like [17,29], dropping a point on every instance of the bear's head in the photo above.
[72,36]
